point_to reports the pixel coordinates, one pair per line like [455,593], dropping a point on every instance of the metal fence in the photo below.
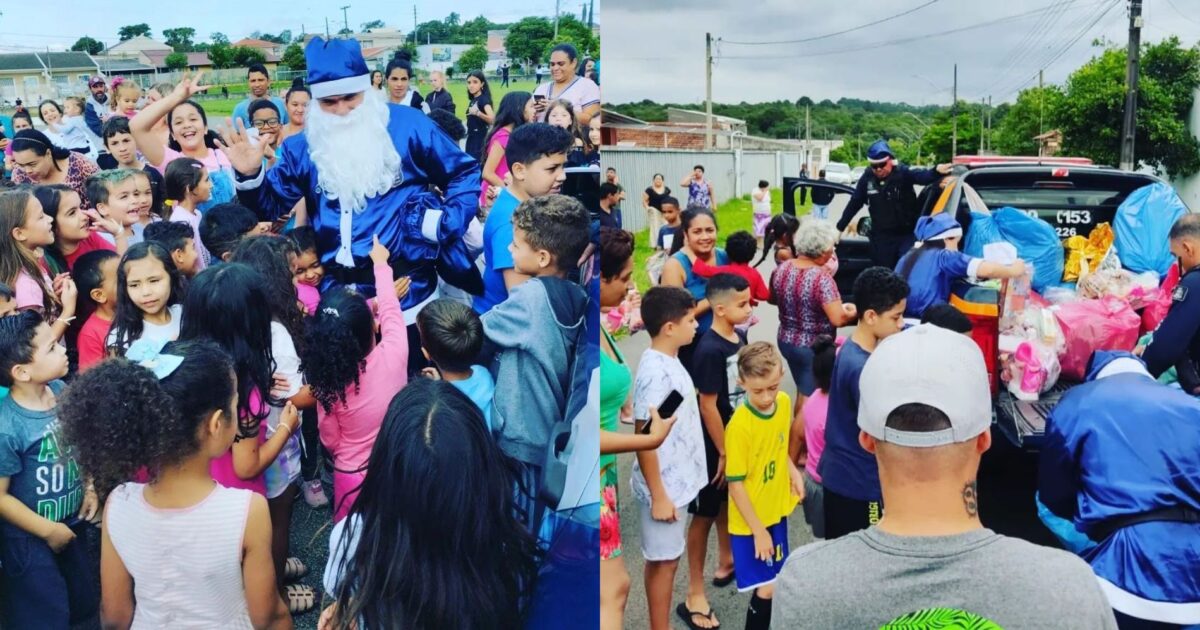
[732,173]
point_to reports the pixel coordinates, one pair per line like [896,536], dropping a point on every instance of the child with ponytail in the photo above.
[181,548]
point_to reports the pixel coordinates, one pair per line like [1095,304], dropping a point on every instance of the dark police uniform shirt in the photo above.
[892,202]
[1178,336]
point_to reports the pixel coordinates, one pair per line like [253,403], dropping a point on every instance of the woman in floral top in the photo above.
[616,271]
[809,302]
[37,161]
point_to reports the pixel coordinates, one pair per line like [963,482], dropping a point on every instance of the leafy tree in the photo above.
[219,38]
[473,31]
[293,57]
[133,30]
[221,55]
[474,58]
[413,53]
[88,45]
[529,39]
[453,21]
[939,138]
[804,101]
[1092,111]
[572,31]
[433,31]
[180,38]
[372,24]
[1035,111]
[345,31]
[245,55]
[284,37]
[176,61]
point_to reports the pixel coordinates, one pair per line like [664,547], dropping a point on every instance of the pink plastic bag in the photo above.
[1158,305]
[1090,325]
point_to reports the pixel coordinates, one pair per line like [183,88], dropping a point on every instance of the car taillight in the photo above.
[1060,172]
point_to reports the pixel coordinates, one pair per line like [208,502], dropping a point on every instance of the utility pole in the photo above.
[1129,129]
[982,125]
[414,26]
[708,121]
[989,124]
[326,28]
[954,118]
[557,10]
[1041,105]
[808,139]
[346,18]
[591,13]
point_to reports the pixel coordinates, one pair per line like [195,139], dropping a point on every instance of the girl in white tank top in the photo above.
[180,551]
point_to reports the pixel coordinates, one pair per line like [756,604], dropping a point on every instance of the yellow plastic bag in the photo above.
[1085,254]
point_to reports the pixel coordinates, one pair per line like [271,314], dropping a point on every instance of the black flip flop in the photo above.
[686,615]
[720,582]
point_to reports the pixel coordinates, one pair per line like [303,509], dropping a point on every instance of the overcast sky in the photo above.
[655,49]
[34,25]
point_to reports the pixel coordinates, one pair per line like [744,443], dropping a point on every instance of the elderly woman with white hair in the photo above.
[809,302]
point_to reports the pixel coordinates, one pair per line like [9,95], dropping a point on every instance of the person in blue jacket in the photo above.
[365,168]
[1122,461]
[887,190]
[936,264]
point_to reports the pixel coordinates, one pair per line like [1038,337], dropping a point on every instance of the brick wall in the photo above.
[656,139]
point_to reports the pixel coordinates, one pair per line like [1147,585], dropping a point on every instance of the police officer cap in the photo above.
[880,151]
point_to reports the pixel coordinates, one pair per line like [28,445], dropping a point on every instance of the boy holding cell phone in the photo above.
[666,479]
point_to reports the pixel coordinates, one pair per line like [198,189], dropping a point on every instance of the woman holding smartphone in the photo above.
[581,92]
[616,381]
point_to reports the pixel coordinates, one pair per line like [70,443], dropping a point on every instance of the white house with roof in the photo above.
[33,77]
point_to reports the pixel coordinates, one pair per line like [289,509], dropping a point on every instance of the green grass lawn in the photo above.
[732,216]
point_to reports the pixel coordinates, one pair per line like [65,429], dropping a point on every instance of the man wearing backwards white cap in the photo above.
[366,167]
[924,412]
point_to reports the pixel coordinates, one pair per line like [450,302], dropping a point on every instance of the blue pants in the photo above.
[800,362]
[752,572]
[43,589]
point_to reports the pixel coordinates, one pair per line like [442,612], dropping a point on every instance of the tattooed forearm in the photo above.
[970,495]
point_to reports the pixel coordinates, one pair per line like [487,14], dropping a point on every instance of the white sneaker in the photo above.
[314,494]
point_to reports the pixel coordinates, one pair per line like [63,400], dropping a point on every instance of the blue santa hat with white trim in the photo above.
[336,67]
[938,227]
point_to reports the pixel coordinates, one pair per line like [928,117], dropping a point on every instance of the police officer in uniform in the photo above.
[887,189]
[1177,341]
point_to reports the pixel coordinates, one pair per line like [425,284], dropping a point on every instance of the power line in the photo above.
[905,40]
[1032,40]
[1181,13]
[1066,48]
[1036,56]
[834,34]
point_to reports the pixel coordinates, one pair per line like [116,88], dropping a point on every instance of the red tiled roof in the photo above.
[255,43]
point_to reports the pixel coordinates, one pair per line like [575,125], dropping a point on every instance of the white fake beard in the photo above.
[355,156]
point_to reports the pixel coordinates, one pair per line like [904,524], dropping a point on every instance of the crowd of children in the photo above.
[738,453]
[181,374]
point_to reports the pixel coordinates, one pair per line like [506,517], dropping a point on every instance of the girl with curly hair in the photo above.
[351,376]
[431,542]
[181,547]
[228,304]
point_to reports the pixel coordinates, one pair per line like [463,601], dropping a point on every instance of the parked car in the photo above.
[856,173]
[838,172]
[1073,198]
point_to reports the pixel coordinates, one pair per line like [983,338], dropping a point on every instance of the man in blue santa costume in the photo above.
[1122,461]
[365,168]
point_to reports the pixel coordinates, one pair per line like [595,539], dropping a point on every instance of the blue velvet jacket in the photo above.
[428,157]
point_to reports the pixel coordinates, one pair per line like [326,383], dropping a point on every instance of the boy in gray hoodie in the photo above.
[532,336]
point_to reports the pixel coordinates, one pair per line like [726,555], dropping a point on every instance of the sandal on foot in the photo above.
[300,598]
[686,615]
[294,569]
[720,582]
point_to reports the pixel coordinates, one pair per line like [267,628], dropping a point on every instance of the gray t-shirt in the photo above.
[42,472]
[871,579]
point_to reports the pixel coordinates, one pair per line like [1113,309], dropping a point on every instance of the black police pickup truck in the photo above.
[1071,195]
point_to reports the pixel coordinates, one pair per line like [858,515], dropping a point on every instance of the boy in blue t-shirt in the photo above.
[849,474]
[536,153]
[451,338]
[43,500]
